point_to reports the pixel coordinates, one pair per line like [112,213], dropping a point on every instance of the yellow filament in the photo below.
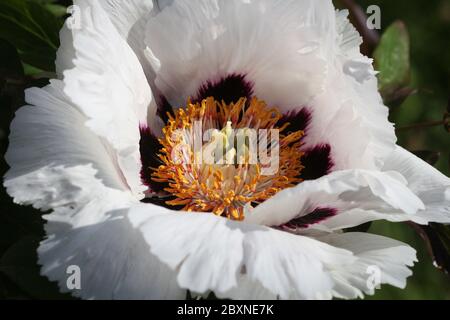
[225,189]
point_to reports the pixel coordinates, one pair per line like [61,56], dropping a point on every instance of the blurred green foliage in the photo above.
[428,24]
[29,38]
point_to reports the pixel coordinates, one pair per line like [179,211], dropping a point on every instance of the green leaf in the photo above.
[32,29]
[31,71]
[20,266]
[392,60]
[57,10]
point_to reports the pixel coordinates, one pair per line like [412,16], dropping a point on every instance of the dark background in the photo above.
[428,23]
[28,42]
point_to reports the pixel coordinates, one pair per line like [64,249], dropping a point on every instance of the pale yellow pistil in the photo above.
[227,180]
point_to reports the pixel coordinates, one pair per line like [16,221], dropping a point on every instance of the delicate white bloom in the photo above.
[85,150]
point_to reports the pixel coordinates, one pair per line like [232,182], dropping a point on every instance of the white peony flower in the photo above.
[86,150]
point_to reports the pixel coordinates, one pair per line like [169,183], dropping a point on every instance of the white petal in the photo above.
[295,53]
[48,137]
[272,42]
[431,186]
[108,85]
[127,18]
[65,55]
[351,118]
[357,216]
[248,289]
[351,279]
[113,258]
[235,259]
[206,250]
[362,86]
[59,164]
[350,40]
[161,4]
[290,266]
[376,256]
[385,193]
[130,19]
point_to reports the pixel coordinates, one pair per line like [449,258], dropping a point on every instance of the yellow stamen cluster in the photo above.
[225,188]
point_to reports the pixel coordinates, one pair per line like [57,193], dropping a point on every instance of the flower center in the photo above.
[226,158]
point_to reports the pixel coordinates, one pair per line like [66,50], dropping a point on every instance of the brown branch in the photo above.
[430,124]
[422,125]
[359,18]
